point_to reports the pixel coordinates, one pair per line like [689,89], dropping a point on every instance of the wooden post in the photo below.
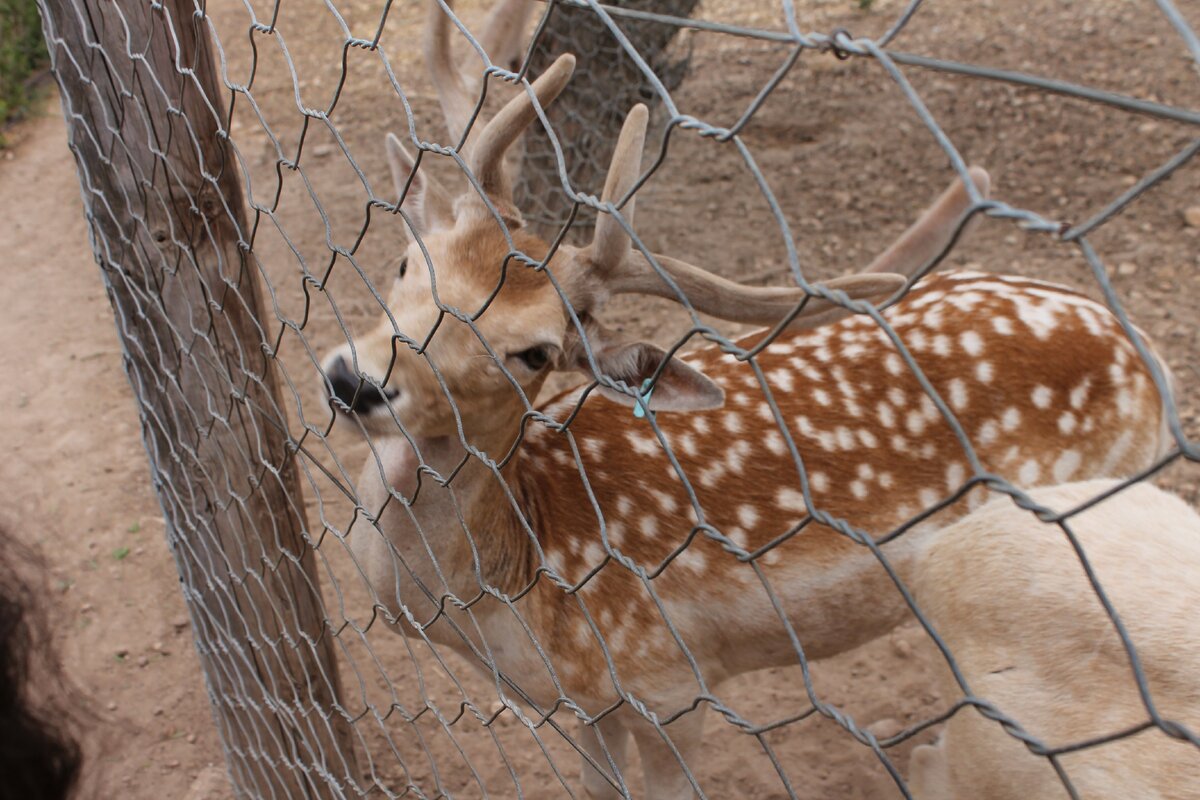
[146,123]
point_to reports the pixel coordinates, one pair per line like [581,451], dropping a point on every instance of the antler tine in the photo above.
[933,231]
[457,89]
[625,271]
[610,243]
[501,37]
[761,305]
[486,158]
[453,87]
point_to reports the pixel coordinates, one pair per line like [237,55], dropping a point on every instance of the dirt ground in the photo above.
[849,162]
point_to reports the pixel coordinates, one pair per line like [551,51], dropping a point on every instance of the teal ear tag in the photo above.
[642,405]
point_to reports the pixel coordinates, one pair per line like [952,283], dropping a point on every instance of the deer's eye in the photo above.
[403,266]
[536,358]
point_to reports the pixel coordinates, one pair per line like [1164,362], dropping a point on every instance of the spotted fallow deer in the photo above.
[629,564]
[1009,596]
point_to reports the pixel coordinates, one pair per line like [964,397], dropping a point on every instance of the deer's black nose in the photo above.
[352,392]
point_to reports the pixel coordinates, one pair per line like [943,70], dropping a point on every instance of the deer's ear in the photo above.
[427,204]
[677,387]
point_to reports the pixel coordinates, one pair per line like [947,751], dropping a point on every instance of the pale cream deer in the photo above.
[1009,596]
[483,514]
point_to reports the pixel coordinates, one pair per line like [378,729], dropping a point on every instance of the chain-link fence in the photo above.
[587,116]
[373,400]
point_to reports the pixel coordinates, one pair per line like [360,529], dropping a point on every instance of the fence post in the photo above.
[161,192]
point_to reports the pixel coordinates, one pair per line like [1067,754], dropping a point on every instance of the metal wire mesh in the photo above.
[588,116]
[293,573]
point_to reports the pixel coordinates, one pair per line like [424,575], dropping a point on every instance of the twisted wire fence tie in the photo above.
[839,52]
[642,407]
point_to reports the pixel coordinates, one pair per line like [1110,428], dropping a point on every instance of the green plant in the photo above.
[22,52]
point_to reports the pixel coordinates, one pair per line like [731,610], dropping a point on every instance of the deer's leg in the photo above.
[663,762]
[616,738]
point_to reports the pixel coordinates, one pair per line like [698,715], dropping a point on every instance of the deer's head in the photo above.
[479,317]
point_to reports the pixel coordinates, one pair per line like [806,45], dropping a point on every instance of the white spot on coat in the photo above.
[747,515]
[807,370]
[649,526]
[593,554]
[738,537]
[887,417]
[735,456]
[693,557]
[1079,393]
[845,438]
[1066,465]
[642,443]
[1125,402]
[928,408]
[928,498]
[988,432]
[1042,396]
[782,379]
[958,394]
[1041,318]
[713,473]
[666,502]
[805,426]
[971,342]
[1117,452]
[956,473]
[1067,423]
[789,499]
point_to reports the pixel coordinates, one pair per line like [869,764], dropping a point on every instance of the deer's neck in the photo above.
[462,524]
